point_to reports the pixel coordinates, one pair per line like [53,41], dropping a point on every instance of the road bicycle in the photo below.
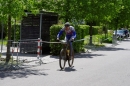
[65,55]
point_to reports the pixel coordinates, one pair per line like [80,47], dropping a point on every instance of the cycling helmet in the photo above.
[67,24]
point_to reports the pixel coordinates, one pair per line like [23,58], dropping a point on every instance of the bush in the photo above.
[55,48]
[107,40]
[82,31]
[97,29]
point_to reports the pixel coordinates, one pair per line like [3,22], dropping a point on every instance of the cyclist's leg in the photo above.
[66,41]
[71,48]
[71,56]
[70,45]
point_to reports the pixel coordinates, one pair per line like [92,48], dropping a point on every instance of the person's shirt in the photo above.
[71,33]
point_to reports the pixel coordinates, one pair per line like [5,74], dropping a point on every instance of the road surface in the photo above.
[108,66]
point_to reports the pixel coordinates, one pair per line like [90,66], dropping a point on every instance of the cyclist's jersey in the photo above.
[71,33]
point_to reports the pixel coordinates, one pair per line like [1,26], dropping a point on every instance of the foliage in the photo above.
[15,32]
[4,42]
[96,29]
[107,40]
[55,48]
[82,31]
[109,37]
[123,15]
[13,9]
[94,10]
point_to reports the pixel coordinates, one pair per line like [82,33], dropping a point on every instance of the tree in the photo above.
[99,11]
[62,7]
[123,15]
[89,10]
[13,9]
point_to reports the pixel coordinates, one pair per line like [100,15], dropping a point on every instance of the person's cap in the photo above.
[67,24]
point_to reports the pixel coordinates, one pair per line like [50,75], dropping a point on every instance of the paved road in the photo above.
[108,66]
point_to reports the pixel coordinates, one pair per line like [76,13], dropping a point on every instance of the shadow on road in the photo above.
[21,54]
[68,69]
[21,73]
[87,55]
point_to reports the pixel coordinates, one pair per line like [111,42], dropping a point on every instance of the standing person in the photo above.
[70,34]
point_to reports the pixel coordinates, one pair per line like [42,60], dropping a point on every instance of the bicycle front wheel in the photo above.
[62,59]
[71,60]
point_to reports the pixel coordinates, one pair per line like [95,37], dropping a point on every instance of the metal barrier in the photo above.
[14,66]
[38,49]
[28,45]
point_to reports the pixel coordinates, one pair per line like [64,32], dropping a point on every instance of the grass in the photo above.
[99,45]
[0,55]
[4,42]
[97,40]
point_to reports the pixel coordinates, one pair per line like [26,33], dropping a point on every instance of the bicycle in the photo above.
[65,55]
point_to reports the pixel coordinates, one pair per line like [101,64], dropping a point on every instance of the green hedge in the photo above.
[96,29]
[55,48]
[81,32]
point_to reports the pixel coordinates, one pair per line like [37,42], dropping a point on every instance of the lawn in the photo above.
[4,42]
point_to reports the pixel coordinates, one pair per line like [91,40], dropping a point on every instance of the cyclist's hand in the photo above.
[58,39]
[71,40]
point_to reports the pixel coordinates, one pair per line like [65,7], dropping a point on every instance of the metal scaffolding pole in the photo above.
[40,24]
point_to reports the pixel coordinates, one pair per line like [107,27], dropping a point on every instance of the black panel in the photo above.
[30,29]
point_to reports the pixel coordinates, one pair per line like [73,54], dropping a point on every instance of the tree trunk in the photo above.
[90,32]
[9,39]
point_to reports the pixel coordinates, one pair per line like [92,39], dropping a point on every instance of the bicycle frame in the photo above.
[66,46]
[65,54]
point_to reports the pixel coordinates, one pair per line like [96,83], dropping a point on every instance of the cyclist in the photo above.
[70,34]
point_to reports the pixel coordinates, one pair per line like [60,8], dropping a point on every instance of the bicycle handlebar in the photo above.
[63,41]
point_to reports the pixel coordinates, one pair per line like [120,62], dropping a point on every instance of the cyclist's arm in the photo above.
[74,33]
[60,32]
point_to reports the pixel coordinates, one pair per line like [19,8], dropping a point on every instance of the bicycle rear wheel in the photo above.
[70,61]
[62,59]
